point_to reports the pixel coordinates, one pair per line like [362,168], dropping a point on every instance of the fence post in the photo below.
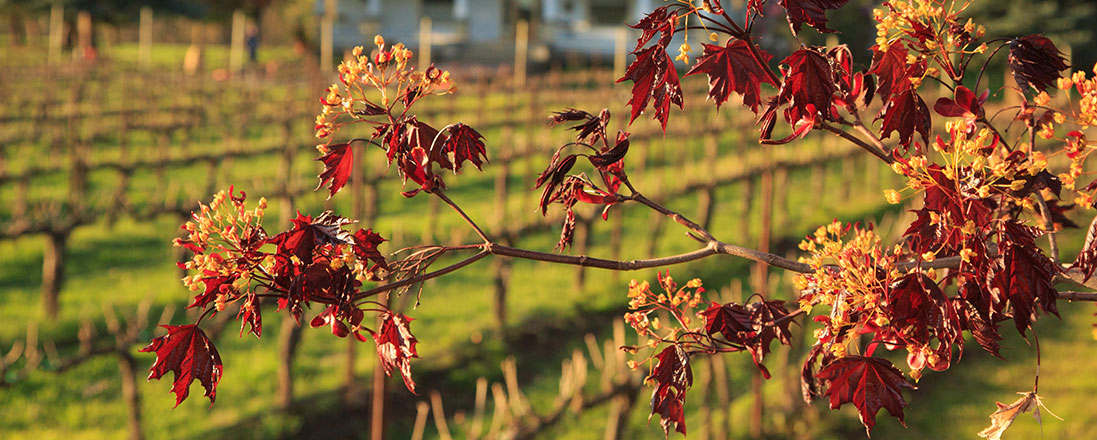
[144,45]
[521,51]
[761,281]
[327,25]
[57,32]
[425,36]
[236,50]
[128,366]
[53,271]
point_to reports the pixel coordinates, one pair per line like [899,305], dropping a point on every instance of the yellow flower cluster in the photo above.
[902,18]
[218,227]
[385,75]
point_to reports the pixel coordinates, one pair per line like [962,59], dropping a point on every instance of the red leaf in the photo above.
[808,81]
[654,78]
[591,130]
[187,352]
[905,113]
[732,320]
[396,346]
[338,166]
[672,377]
[661,21]
[731,68]
[307,234]
[250,314]
[465,143]
[1026,275]
[365,246]
[812,12]
[869,384]
[214,286]
[890,67]
[1035,62]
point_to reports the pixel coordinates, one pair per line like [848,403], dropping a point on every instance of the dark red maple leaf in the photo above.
[731,319]
[307,234]
[905,113]
[919,312]
[338,166]
[809,85]
[672,376]
[732,68]
[812,12]
[187,352]
[891,69]
[1035,62]
[983,329]
[365,247]
[464,143]
[654,79]
[1027,275]
[552,177]
[396,346]
[869,384]
[612,155]
[661,21]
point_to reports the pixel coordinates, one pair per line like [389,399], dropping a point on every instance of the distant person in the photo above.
[252,41]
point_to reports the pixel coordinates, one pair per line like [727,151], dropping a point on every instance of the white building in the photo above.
[583,27]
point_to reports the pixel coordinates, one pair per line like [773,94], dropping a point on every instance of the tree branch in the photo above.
[875,150]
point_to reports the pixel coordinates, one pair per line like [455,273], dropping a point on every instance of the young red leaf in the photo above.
[250,314]
[732,68]
[808,81]
[1035,62]
[365,247]
[591,130]
[812,12]
[307,234]
[660,22]
[890,67]
[1027,276]
[338,166]
[396,346]
[215,285]
[731,319]
[465,143]
[654,79]
[869,384]
[672,377]
[187,352]
[905,113]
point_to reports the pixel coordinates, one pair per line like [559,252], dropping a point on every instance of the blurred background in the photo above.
[118,116]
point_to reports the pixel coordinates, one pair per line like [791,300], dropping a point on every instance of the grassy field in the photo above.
[120,265]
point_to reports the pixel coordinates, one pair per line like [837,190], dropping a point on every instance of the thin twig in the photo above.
[468,220]
[876,151]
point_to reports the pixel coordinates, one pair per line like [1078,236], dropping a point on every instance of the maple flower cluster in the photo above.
[380,90]
[235,263]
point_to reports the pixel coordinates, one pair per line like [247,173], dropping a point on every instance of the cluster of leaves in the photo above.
[236,264]
[720,328]
[317,260]
[978,190]
[568,189]
[379,91]
[967,262]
